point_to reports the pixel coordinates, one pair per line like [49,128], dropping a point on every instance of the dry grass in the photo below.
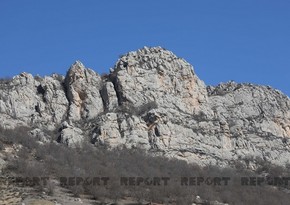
[61,161]
[41,202]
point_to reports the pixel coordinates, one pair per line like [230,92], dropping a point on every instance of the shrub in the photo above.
[18,135]
[61,161]
[1,146]
[50,188]
[137,110]
[77,190]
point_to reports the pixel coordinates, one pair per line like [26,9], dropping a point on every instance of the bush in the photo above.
[18,135]
[1,146]
[58,160]
[139,110]
[50,188]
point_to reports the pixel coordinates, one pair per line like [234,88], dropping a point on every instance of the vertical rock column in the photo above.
[83,92]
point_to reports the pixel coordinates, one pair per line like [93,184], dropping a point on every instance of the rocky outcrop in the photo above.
[83,92]
[25,100]
[152,99]
[71,136]
[155,74]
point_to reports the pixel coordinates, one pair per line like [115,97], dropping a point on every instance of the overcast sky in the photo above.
[244,41]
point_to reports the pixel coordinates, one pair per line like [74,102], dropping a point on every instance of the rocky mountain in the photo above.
[152,99]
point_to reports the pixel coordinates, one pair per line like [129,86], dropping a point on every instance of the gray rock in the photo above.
[83,92]
[3,164]
[72,137]
[27,101]
[155,74]
[109,96]
[152,99]
[40,136]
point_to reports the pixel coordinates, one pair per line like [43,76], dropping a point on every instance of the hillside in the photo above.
[153,101]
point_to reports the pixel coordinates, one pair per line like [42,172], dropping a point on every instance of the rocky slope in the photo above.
[152,99]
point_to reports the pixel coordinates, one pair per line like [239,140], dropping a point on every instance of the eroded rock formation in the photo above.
[152,99]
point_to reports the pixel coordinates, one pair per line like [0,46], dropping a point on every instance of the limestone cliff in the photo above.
[152,99]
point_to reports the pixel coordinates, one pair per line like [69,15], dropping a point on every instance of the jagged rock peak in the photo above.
[156,74]
[78,63]
[153,58]
[232,86]
[83,85]
[78,72]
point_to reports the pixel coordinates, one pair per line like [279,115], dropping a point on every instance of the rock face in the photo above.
[25,100]
[83,92]
[152,99]
[155,74]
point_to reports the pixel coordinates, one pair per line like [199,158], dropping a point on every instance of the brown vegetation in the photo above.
[56,160]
